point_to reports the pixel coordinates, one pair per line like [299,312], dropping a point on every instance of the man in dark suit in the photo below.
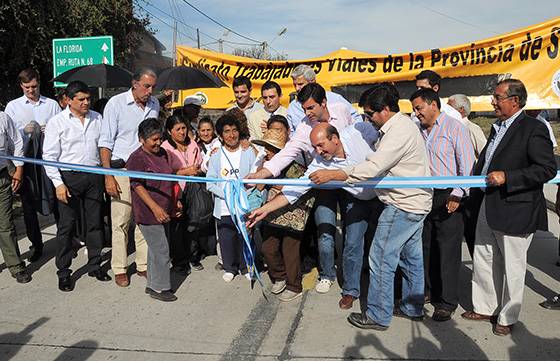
[517,160]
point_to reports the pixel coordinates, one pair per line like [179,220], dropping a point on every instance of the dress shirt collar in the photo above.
[69,115]
[507,123]
[387,126]
[130,97]
[26,100]
[130,100]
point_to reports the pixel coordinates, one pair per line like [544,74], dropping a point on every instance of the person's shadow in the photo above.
[529,346]
[18,339]
[80,351]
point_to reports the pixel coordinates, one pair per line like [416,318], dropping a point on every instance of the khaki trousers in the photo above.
[499,266]
[121,215]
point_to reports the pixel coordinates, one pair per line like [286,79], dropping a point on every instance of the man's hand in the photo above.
[263,125]
[496,178]
[62,193]
[30,127]
[112,186]
[260,174]
[17,178]
[189,171]
[160,214]
[453,203]
[256,216]
[325,175]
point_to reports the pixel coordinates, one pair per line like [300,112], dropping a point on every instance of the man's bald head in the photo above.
[326,141]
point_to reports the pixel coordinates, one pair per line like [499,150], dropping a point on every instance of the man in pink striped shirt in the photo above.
[313,99]
[451,153]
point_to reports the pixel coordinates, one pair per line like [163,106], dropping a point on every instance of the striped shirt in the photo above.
[500,129]
[450,150]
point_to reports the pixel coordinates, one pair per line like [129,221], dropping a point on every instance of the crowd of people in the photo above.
[408,238]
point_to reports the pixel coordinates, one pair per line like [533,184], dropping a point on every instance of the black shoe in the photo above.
[165,296]
[397,312]
[361,320]
[65,284]
[37,253]
[197,266]
[181,270]
[552,303]
[100,275]
[22,277]
[442,315]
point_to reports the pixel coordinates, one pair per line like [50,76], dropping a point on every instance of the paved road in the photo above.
[217,321]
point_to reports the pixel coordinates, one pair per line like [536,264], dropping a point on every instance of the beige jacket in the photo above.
[255,119]
[400,152]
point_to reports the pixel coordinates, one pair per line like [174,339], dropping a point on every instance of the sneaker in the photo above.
[288,295]
[228,276]
[323,286]
[278,287]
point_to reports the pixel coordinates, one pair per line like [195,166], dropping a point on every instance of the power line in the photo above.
[220,24]
[453,18]
[193,28]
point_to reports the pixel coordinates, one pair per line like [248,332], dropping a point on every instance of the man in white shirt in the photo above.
[72,137]
[119,138]
[301,76]
[242,87]
[400,152]
[429,79]
[271,95]
[10,140]
[317,110]
[462,104]
[338,150]
[30,114]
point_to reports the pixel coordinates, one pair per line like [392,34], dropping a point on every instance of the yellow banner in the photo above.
[530,54]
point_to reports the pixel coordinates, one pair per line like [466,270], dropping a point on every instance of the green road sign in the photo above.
[73,52]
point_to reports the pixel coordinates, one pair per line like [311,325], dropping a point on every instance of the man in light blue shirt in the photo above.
[119,138]
[30,114]
[301,76]
[337,150]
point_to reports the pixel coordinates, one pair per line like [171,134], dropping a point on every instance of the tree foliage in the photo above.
[27,28]
[259,52]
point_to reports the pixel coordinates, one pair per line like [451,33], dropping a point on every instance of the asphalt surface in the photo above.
[213,320]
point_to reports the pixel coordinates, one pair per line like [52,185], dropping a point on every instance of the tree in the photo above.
[27,28]
[259,52]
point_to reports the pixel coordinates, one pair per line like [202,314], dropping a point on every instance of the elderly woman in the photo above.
[185,159]
[283,229]
[152,204]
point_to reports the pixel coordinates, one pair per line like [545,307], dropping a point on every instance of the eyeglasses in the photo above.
[368,114]
[499,98]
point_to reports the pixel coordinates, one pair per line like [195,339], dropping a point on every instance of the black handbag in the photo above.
[198,206]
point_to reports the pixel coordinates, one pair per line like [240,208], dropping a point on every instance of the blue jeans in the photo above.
[325,219]
[356,214]
[397,241]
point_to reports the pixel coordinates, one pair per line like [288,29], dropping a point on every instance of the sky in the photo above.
[318,27]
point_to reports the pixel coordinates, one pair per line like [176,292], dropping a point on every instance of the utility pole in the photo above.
[175,43]
[221,45]
[197,38]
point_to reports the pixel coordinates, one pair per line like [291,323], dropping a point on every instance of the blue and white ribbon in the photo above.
[236,196]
